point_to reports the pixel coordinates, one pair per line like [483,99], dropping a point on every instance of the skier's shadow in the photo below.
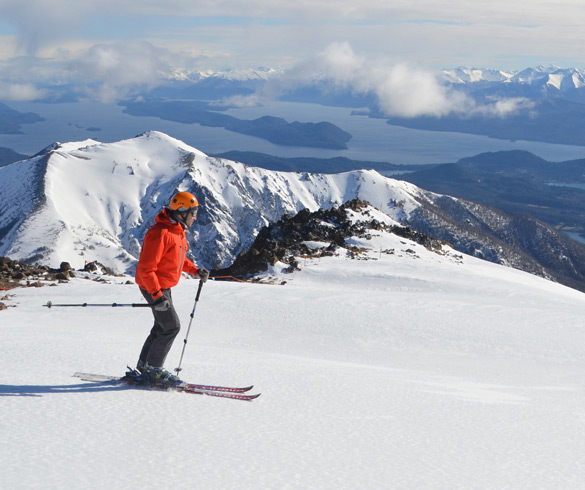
[40,390]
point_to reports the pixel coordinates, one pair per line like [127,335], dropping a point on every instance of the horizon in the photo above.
[107,49]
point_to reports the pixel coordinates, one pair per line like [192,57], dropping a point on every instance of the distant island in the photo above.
[550,120]
[516,181]
[11,120]
[274,129]
[8,156]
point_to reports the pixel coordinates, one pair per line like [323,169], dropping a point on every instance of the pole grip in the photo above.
[199,290]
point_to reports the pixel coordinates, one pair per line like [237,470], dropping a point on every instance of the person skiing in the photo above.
[162,260]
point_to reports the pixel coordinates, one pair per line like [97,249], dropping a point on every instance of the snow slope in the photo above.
[561,79]
[90,201]
[397,369]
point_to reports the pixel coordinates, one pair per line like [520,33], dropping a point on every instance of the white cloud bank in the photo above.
[24,92]
[114,71]
[108,72]
[401,89]
[501,33]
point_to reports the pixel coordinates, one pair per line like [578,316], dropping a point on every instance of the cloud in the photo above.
[40,21]
[241,101]
[20,92]
[495,12]
[109,72]
[505,107]
[104,72]
[278,32]
[401,89]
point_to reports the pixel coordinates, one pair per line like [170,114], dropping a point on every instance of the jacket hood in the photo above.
[166,217]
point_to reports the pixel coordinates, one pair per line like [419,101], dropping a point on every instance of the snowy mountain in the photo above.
[396,367]
[534,83]
[213,85]
[87,201]
[249,74]
[93,201]
[554,77]
[465,75]
[541,104]
[563,79]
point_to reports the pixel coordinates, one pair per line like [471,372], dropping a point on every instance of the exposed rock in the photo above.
[65,267]
[283,240]
[18,274]
[14,274]
[96,266]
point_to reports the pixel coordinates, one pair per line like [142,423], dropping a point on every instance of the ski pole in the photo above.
[179,369]
[112,305]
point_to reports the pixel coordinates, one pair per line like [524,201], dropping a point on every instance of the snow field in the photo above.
[404,371]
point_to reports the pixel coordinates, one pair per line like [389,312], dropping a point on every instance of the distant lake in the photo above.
[575,236]
[373,139]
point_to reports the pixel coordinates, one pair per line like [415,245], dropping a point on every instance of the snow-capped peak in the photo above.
[475,75]
[246,74]
[552,76]
[91,201]
[95,201]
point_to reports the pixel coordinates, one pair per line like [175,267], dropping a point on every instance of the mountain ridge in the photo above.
[95,201]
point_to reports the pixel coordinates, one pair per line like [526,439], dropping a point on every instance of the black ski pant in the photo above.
[166,328]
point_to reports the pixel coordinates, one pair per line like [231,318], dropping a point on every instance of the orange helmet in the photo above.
[183,201]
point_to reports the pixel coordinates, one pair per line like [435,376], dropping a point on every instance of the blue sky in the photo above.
[93,41]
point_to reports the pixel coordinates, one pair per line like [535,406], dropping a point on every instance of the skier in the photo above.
[162,260]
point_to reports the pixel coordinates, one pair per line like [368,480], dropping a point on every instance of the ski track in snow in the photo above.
[390,373]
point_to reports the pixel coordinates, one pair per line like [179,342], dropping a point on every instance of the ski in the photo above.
[220,394]
[191,386]
[133,379]
[226,389]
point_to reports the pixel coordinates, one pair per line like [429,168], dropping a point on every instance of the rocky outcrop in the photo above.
[14,273]
[286,240]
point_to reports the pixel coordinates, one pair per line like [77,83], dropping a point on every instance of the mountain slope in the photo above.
[516,182]
[393,368]
[90,201]
[537,82]
[93,201]
[8,156]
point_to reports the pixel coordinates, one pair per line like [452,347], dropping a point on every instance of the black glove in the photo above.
[203,274]
[161,304]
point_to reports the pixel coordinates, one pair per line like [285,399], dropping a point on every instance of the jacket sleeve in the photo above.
[189,267]
[152,251]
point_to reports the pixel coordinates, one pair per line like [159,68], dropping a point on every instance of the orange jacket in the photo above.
[163,257]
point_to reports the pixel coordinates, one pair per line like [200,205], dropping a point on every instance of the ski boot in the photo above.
[160,376]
